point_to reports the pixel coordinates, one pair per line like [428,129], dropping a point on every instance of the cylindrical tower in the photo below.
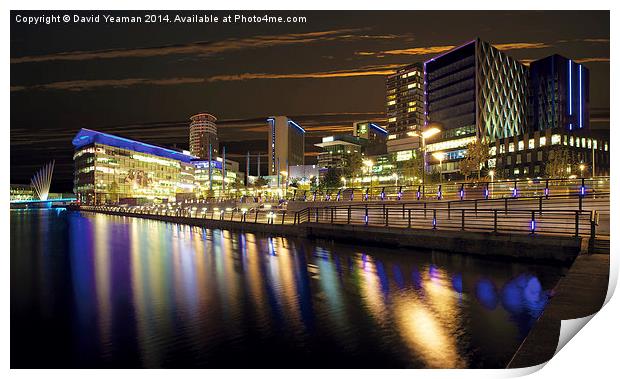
[202,132]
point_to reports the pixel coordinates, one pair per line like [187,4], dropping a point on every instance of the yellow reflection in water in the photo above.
[429,322]
[371,288]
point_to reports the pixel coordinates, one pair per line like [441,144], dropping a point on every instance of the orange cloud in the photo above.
[429,50]
[204,48]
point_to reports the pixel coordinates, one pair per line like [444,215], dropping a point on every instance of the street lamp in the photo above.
[581,168]
[439,155]
[431,130]
[344,181]
[492,175]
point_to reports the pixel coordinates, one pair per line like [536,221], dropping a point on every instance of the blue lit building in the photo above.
[286,144]
[559,94]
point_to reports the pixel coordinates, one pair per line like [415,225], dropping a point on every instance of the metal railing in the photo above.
[458,190]
[521,221]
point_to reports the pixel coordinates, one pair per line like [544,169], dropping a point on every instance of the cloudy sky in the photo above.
[144,80]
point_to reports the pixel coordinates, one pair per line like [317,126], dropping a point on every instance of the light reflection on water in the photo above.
[105,291]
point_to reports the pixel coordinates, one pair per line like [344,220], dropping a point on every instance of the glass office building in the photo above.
[560,95]
[473,92]
[404,107]
[112,169]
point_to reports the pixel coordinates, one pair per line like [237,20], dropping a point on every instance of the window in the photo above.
[583,142]
[517,171]
[391,102]
[565,140]
[518,158]
[539,156]
[589,143]
[571,141]
[492,150]
[542,141]
[529,157]
[577,142]
[526,170]
[536,169]
[509,160]
[595,142]
[511,147]
[502,148]
[530,144]
[555,139]
[521,145]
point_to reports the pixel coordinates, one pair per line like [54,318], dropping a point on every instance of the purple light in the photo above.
[400,194]
[462,193]
[439,195]
[583,190]
[533,225]
[418,195]
[366,219]
[546,191]
[486,193]
[514,192]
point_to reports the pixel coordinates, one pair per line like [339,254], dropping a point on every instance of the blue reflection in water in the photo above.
[142,293]
[486,294]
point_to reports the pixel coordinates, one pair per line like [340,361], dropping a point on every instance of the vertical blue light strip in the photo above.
[580,101]
[570,94]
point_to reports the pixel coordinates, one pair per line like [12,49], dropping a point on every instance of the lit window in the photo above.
[589,143]
[502,148]
[606,146]
[555,139]
[539,156]
[542,141]
[517,171]
[511,147]
[583,142]
[595,144]
[518,158]
[392,102]
[577,142]
[392,119]
[412,109]
[565,140]
[530,144]
[492,150]
[521,145]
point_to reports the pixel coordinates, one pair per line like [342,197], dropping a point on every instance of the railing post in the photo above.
[424,209]
[332,215]
[366,215]
[409,218]
[495,220]
[462,219]
[540,205]
[316,213]
[349,215]
[592,232]
[576,223]
[283,216]
[387,216]
[476,206]
[506,205]
[403,210]
[434,218]
[533,223]
[256,216]
[449,202]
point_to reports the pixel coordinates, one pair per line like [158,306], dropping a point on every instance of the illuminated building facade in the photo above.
[206,187]
[286,144]
[559,94]
[527,155]
[473,92]
[404,104]
[374,135]
[22,192]
[112,169]
[202,134]
[338,150]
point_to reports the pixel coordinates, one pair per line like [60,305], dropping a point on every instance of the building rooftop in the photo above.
[87,137]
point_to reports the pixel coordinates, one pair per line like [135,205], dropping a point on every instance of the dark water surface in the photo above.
[105,291]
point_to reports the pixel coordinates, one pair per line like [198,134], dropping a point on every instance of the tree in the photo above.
[352,165]
[559,163]
[260,182]
[331,179]
[413,168]
[477,155]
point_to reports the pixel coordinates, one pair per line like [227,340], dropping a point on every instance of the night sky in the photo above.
[143,81]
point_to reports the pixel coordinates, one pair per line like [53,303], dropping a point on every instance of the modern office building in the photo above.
[374,135]
[20,192]
[527,155]
[473,92]
[112,169]
[559,95]
[202,134]
[209,182]
[286,144]
[338,150]
[405,99]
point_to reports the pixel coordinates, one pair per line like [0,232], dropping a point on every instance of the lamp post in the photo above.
[581,168]
[492,174]
[368,163]
[439,155]
[431,130]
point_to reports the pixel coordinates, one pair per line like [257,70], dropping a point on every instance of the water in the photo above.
[104,291]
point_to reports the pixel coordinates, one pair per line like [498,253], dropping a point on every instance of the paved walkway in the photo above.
[580,293]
